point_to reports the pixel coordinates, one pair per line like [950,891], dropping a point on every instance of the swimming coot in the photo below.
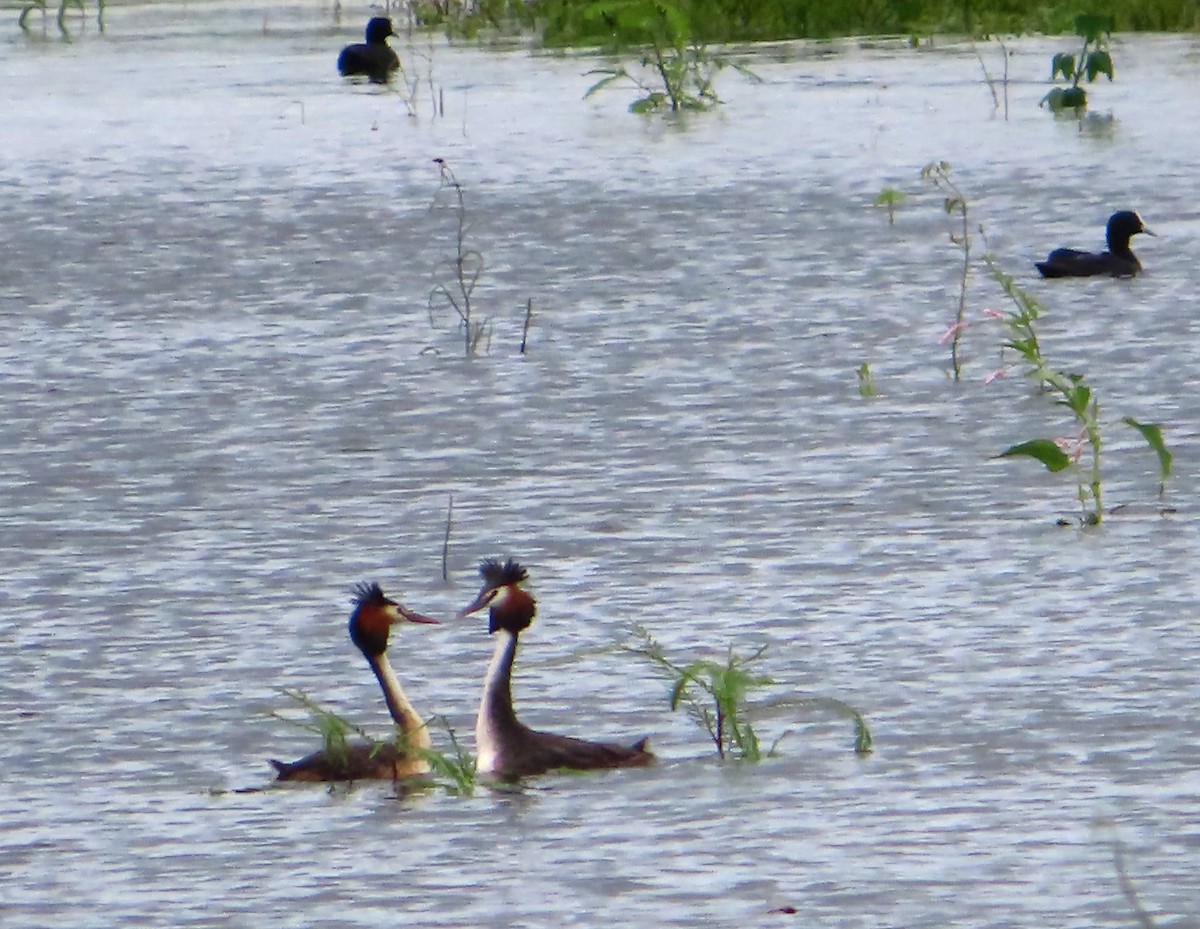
[373,58]
[1118,261]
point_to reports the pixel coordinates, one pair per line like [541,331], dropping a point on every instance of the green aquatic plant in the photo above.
[954,202]
[61,18]
[1073,392]
[890,198]
[334,730]
[460,273]
[671,69]
[456,771]
[715,694]
[866,381]
[1093,60]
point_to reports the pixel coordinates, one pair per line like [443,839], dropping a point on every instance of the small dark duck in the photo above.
[1118,261]
[373,59]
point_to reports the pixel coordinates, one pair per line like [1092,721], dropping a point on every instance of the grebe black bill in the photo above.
[507,748]
[1118,261]
[370,625]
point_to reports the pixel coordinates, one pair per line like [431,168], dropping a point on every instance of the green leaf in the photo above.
[1070,98]
[610,77]
[1078,398]
[1092,27]
[1044,450]
[1099,63]
[1154,438]
[1063,63]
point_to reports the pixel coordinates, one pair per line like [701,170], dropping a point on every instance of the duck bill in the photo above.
[1146,230]
[414,617]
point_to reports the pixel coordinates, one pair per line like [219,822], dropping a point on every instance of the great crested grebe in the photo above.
[1118,261]
[373,58]
[507,748]
[374,615]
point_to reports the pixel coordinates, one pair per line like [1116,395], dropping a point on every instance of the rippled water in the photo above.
[225,403]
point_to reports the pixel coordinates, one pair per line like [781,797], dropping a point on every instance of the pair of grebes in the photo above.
[505,747]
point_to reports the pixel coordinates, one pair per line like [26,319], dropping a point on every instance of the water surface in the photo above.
[225,403]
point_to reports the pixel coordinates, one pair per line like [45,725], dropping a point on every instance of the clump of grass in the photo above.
[1077,395]
[715,694]
[673,71]
[937,173]
[461,272]
[1094,59]
[334,730]
[456,771]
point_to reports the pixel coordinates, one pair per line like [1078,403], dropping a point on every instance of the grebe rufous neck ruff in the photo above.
[370,624]
[507,748]
[1118,261]
[374,58]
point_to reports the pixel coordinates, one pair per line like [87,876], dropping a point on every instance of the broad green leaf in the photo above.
[1154,438]
[1099,63]
[1092,27]
[1070,98]
[1063,63]
[1044,450]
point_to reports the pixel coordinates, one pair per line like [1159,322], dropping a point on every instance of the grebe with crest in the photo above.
[506,747]
[370,624]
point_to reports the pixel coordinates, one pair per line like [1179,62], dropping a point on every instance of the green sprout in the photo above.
[890,198]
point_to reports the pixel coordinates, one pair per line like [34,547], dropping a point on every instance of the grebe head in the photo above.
[373,617]
[510,606]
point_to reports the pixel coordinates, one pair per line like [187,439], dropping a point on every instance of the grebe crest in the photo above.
[510,607]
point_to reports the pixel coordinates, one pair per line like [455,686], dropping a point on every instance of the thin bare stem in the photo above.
[446,539]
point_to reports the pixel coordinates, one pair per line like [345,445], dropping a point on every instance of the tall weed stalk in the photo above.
[460,273]
[1073,392]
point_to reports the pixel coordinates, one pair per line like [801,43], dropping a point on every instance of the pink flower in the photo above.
[996,375]
[993,314]
[952,332]
[1073,447]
